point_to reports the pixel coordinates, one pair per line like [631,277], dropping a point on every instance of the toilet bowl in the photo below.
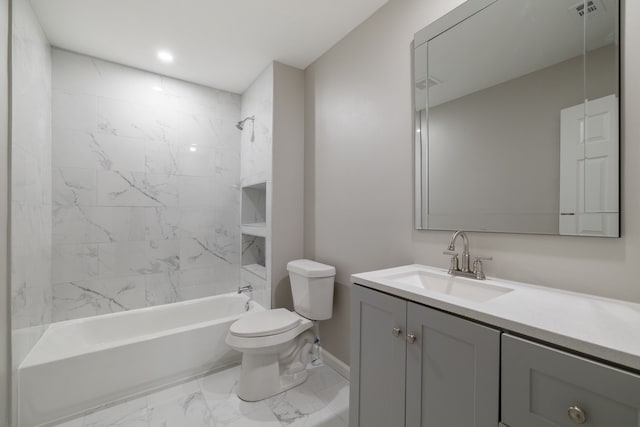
[275,344]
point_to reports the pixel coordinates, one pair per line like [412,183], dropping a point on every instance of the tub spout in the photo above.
[248,289]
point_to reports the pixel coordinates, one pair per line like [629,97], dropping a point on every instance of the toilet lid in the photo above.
[264,323]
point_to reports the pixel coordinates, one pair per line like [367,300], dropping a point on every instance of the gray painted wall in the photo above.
[287,209]
[519,189]
[359,178]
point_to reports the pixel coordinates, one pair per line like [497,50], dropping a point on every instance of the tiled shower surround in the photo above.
[146,200]
[30,181]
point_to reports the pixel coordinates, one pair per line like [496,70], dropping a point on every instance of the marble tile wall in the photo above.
[257,138]
[256,161]
[31,226]
[146,199]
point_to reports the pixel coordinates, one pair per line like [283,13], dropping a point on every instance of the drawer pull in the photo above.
[396,332]
[577,415]
[411,338]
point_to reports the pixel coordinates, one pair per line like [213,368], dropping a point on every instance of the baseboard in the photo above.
[336,364]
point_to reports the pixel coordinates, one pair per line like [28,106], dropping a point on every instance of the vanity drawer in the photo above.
[545,387]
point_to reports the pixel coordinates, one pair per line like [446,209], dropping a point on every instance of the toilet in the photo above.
[275,344]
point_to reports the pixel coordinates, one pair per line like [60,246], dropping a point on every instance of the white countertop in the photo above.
[604,328]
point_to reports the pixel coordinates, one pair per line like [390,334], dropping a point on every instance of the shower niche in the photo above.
[254,209]
[254,229]
[254,255]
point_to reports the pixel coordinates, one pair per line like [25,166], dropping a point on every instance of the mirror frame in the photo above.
[421,141]
[465,11]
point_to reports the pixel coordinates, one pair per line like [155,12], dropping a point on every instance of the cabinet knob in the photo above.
[411,338]
[577,415]
[396,332]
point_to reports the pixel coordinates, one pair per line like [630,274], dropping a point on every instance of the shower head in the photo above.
[240,124]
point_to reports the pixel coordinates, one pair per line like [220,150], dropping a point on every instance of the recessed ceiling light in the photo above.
[157,88]
[165,56]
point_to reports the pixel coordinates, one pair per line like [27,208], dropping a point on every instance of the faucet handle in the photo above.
[477,266]
[453,266]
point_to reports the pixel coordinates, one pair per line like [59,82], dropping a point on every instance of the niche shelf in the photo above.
[258,229]
[254,207]
[254,255]
[256,270]
[254,228]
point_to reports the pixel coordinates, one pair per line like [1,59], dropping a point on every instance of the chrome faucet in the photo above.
[454,268]
[465,250]
[249,290]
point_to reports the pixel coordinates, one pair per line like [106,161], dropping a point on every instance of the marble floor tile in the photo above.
[133,413]
[260,417]
[295,405]
[187,410]
[183,405]
[173,393]
[211,401]
[220,391]
[73,423]
[336,398]
[220,385]
[322,377]
[322,418]
[336,409]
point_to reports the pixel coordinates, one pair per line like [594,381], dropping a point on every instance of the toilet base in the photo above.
[260,377]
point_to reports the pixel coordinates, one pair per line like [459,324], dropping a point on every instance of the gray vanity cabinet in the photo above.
[415,366]
[545,387]
[378,359]
[453,371]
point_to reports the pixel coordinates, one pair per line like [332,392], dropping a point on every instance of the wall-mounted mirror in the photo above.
[517,118]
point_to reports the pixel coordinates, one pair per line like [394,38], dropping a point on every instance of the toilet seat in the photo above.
[289,324]
[265,323]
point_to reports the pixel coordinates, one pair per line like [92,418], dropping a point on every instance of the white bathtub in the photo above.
[81,364]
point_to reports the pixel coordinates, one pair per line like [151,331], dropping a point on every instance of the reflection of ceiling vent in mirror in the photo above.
[428,83]
[589,8]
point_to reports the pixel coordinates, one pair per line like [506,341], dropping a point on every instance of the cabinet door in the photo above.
[545,387]
[453,370]
[378,359]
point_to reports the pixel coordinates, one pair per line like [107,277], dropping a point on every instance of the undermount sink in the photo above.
[450,285]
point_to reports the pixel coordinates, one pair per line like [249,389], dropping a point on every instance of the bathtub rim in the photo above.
[28,362]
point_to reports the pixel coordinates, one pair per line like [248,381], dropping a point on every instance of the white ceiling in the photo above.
[219,43]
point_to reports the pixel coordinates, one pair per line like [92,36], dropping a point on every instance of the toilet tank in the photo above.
[312,288]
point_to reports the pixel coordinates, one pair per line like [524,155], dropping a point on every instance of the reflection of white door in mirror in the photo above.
[589,195]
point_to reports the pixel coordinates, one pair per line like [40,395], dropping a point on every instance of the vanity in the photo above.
[516,118]
[431,349]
